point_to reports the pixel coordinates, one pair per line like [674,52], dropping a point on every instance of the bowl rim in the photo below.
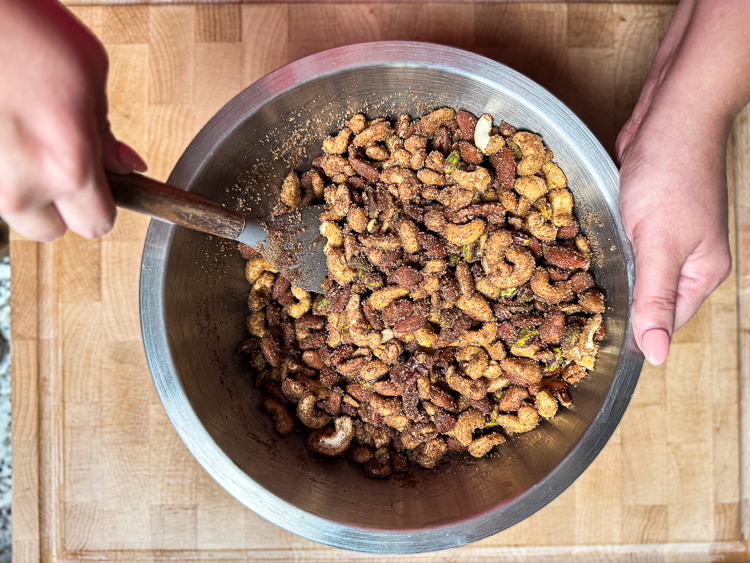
[164,372]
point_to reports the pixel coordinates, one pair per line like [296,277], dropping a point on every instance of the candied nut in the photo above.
[591,301]
[257,266]
[555,177]
[256,324]
[248,252]
[564,258]
[476,307]
[405,277]
[313,359]
[496,351]
[431,245]
[526,419]
[561,201]
[574,373]
[470,153]
[477,181]
[550,293]
[581,281]
[426,337]
[338,144]
[291,193]
[352,367]
[546,404]
[385,407]
[430,177]
[430,122]
[533,153]
[308,415]
[415,143]
[408,232]
[377,469]
[523,370]
[417,433]
[465,234]
[373,369]
[292,389]
[471,389]
[338,268]
[552,327]
[398,421]
[425,289]
[482,445]
[473,361]
[531,187]
[303,304]
[513,398]
[332,441]
[334,235]
[482,337]
[375,133]
[465,279]
[541,229]
[429,454]
[388,352]
[467,422]
[271,352]
[281,417]
[434,268]
[381,298]
[388,388]
[360,454]
[466,123]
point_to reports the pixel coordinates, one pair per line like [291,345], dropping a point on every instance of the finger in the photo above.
[701,275]
[119,157]
[90,210]
[86,204]
[42,224]
[657,276]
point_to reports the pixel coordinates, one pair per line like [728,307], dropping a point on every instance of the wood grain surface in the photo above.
[100,474]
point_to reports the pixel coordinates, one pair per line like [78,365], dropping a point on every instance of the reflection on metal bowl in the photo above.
[193,307]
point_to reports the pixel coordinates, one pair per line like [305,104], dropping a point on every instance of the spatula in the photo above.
[291,242]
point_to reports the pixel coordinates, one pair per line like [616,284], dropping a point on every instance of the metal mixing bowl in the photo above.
[193,307]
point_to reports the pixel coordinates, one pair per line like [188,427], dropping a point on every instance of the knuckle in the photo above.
[12,200]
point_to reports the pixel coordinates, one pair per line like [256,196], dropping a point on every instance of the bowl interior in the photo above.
[203,308]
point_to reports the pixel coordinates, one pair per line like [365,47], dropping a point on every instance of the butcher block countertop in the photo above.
[100,474]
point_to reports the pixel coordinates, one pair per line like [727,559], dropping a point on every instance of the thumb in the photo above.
[657,277]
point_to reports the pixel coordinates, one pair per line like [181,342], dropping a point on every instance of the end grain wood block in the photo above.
[99,471]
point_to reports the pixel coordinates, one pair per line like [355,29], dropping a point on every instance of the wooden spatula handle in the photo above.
[148,196]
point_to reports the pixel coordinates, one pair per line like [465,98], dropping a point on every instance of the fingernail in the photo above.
[655,345]
[128,157]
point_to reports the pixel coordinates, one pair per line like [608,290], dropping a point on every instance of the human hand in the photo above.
[673,199]
[55,139]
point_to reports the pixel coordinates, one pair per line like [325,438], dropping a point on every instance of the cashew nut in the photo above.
[430,122]
[477,181]
[482,337]
[430,453]
[550,293]
[308,415]
[482,445]
[531,187]
[260,294]
[256,324]
[303,304]
[476,307]
[338,267]
[281,417]
[465,234]
[375,133]
[338,144]
[334,235]
[561,201]
[533,153]
[541,229]
[388,352]
[292,389]
[385,407]
[381,298]
[467,422]
[521,271]
[255,267]
[426,336]
[291,193]
[473,361]
[472,389]
[555,177]
[526,419]
[332,441]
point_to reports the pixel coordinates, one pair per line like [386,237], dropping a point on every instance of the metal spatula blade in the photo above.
[291,242]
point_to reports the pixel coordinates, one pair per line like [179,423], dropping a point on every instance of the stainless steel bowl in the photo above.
[193,307]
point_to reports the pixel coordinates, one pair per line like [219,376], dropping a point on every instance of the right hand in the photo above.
[55,138]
